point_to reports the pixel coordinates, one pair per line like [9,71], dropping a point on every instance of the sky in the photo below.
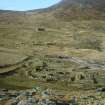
[22,5]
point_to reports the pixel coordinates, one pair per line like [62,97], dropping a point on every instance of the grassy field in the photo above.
[84,39]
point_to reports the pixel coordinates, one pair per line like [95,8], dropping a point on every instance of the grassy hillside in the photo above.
[80,9]
[69,54]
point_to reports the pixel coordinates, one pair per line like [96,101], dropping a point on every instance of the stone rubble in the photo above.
[38,96]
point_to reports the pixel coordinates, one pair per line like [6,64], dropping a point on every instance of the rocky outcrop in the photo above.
[38,96]
[83,63]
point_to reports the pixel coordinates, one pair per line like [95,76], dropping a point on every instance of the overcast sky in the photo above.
[25,4]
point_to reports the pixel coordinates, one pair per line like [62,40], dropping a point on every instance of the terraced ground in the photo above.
[10,60]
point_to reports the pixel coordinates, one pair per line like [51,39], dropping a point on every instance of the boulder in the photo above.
[101,89]
[24,102]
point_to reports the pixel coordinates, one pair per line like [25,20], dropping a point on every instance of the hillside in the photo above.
[80,9]
[61,47]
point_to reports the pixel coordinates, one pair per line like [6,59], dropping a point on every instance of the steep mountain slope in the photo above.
[81,9]
[99,4]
